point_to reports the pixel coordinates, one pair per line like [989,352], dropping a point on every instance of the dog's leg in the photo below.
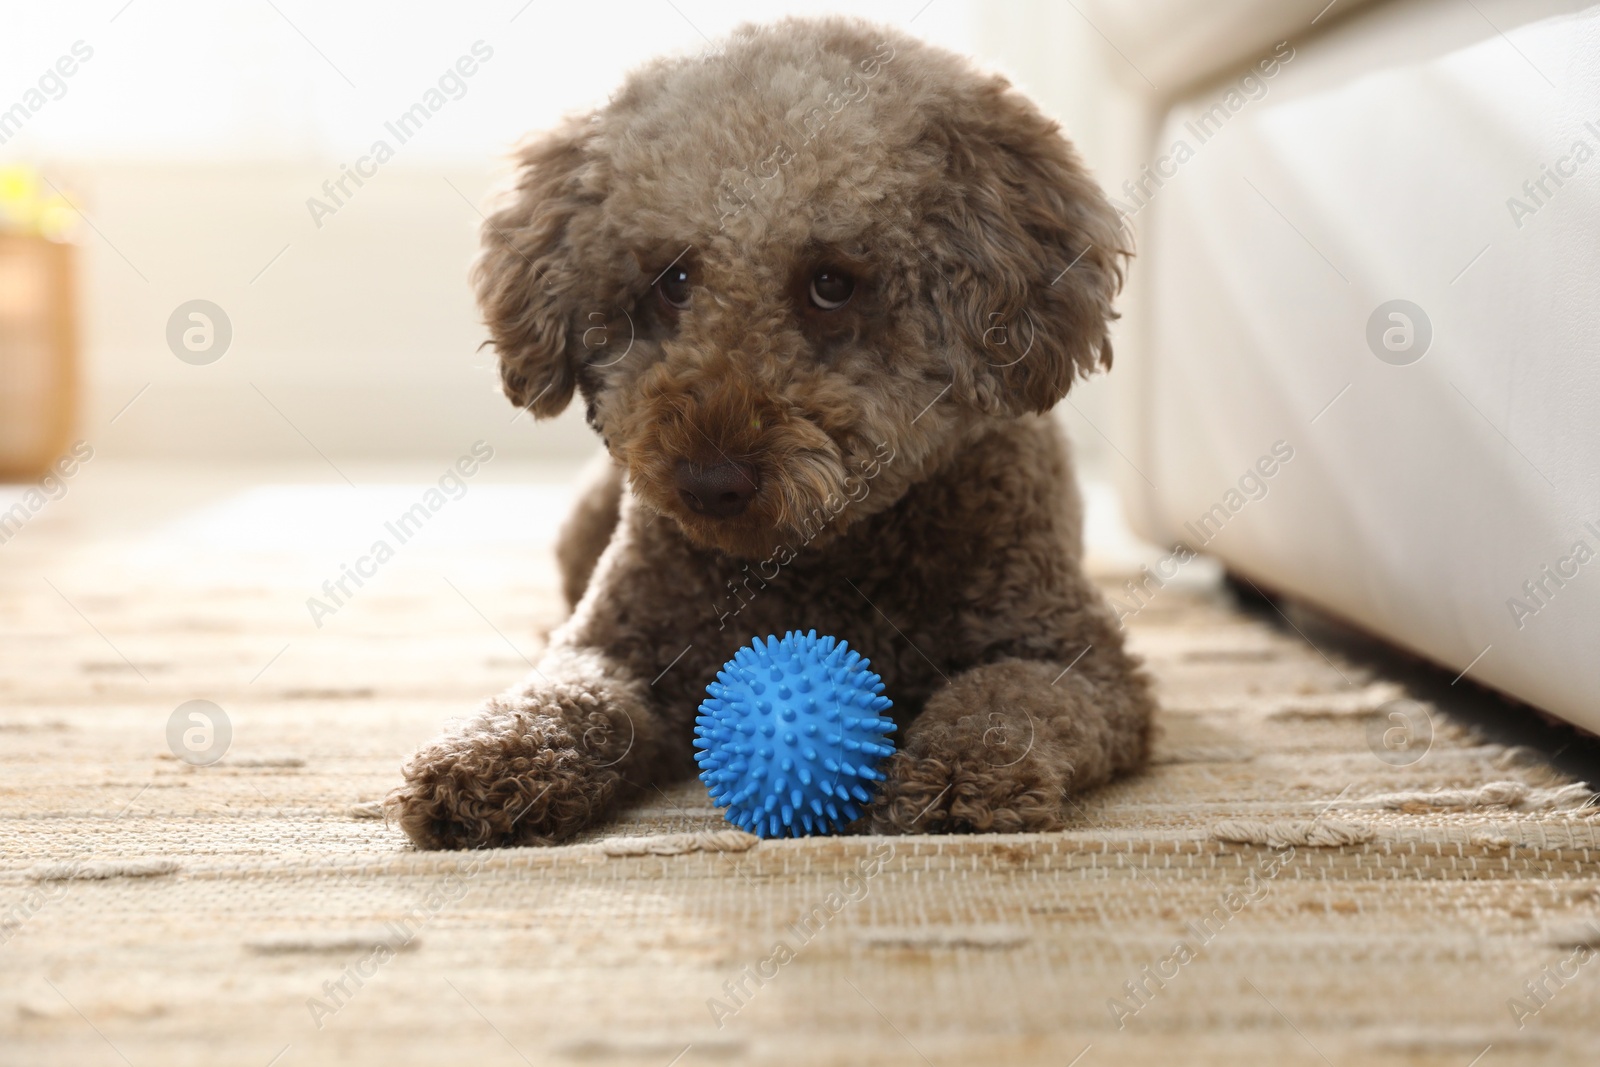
[1001,748]
[534,765]
[587,530]
[605,713]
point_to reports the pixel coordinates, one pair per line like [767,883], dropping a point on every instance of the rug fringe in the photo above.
[1310,833]
[678,844]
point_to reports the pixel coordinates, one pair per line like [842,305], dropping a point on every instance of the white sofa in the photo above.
[1444,485]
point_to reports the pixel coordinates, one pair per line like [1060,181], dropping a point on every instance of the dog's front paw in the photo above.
[1001,748]
[953,792]
[529,770]
[998,750]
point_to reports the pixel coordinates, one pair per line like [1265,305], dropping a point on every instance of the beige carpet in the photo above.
[1336,901]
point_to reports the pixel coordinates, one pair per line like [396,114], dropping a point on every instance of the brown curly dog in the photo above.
[818,290]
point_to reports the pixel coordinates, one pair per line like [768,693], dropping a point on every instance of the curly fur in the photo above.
[912,498]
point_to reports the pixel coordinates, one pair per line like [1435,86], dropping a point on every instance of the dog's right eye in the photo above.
[673,287]
[830,289]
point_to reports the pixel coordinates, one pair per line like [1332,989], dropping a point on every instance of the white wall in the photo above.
[363,333]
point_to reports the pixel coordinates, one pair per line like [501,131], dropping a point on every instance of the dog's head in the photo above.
[791,277]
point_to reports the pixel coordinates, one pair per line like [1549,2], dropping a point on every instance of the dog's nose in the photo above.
[720,491]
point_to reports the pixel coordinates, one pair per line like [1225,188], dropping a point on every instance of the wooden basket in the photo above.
[38,353]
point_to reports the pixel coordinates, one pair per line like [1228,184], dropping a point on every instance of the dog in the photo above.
[818,290]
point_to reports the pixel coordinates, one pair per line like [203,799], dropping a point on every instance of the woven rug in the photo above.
[1309,872]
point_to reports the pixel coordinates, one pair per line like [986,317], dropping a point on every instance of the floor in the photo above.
[1309,872]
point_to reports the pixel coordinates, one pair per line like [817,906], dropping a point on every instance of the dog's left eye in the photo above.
[673,286]
[831,289]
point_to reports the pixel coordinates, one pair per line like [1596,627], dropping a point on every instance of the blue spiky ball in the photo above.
[791,734]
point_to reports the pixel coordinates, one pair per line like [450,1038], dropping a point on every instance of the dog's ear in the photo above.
[526,275]
[1029,254]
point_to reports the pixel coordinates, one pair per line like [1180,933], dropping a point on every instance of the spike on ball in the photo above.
[786,787]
